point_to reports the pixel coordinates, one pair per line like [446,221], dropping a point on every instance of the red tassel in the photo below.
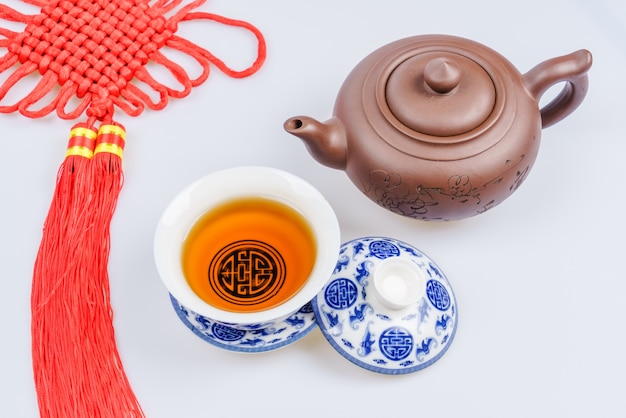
[77,368]
[59,269]
[113,394]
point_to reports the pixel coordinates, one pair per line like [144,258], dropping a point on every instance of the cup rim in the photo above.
[232,183]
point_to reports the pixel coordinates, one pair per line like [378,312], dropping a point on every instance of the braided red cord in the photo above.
[96,49]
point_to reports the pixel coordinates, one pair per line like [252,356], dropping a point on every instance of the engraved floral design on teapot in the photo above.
[395,195]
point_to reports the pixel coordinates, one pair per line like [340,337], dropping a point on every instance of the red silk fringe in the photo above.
[58,321]
[78,370]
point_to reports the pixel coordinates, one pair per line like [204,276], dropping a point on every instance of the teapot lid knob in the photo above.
[442,75]
[439,93]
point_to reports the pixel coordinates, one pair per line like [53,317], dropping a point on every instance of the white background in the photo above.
[540,280]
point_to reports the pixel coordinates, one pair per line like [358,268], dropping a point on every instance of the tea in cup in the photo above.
[242,252]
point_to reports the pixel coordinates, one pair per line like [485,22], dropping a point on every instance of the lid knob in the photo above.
[442,75]
[398,283]
[440,93]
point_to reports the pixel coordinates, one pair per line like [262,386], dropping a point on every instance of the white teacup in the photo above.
[232,273]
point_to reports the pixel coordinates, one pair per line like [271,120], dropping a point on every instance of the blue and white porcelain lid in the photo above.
[387,307]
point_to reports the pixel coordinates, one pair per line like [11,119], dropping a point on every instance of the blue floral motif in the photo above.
[442,323]
[435,270]
[295,321]
[362,271]
[396,343]
[253,342]
[424,349]
[438,295]
[411,250]
[332,318]
[358,314]
[383,317]
[182,310]
[423,310]
[341,293]
[383,249]
[347,343]
[357,248]
[342,263]
[367,343]
[203,322]
[264,332]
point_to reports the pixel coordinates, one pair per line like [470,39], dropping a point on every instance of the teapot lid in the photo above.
[440,93]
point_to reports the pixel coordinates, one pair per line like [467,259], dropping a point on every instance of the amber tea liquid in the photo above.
[248,255]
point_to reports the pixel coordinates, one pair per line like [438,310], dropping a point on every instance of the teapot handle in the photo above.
[571,69]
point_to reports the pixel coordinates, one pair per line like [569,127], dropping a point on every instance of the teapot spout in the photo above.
[326,141]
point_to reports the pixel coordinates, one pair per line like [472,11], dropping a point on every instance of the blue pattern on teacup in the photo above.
[377,338]
[250,338]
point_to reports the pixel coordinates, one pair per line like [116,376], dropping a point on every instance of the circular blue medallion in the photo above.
[438,295]
[396,343]
[226,333]
[307,308]
[340,293]
[383,249]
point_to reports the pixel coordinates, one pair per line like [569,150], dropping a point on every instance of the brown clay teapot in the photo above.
[438,127]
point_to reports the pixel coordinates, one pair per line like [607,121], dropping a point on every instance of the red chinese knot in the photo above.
[93,49]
